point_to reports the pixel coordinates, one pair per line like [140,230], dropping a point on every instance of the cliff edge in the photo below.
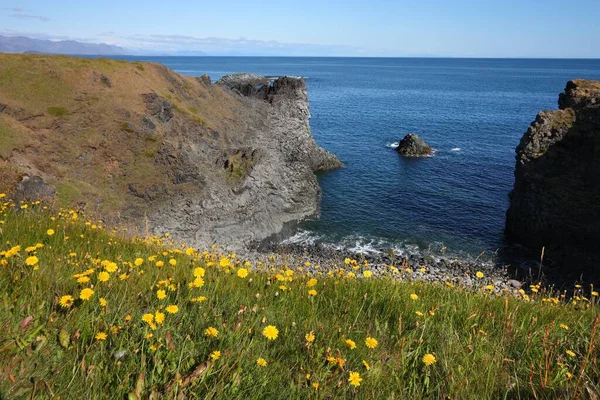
[145,147]
[555,202]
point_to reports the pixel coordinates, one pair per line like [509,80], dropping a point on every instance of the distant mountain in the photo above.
[21,44]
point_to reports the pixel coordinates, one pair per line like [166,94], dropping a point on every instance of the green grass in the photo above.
[57,111]
[486,346]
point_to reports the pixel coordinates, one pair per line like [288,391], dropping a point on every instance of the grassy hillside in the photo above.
[86,313]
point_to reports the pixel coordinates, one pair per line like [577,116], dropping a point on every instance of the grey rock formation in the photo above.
[33,188]
[555,202]
[413,146]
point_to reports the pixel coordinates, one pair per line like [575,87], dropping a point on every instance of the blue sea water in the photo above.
[472,111]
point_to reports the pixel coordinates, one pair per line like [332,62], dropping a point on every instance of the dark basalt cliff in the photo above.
[555,202]
[140,145]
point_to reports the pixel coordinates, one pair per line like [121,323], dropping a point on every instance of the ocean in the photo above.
[473,112]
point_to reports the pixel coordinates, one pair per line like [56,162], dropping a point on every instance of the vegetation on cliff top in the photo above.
[87,313]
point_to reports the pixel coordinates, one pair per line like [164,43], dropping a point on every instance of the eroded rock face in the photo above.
[413,146]
[555,202]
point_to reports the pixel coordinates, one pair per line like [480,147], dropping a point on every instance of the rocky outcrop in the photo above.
[555,202]
[414,146]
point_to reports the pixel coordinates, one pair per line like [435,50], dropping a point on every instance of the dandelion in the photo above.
[211,331]
[101,336]
[312,293]
[224,262]
[242,273]
[173,262]
[310,337]
[564,326]
[570,353]
[199,272]
[368,274]
[148,318]
[103,276]
[172,309]
[311,282]
[198,282]
[215,355]
[103,302]
[83,279]
[159,317]
[595,294]
[66,301]
[270,332]
[50,232]
[111,267]
[261,362]
[31,261]
[160,264]
[161,294]
[123,277]
[489,287]
[86,294]
[351,344]
[366,365]
[414,296]
[355,379]
[479,274]
[429,359]
[315,385]
[371,342]
[138,262]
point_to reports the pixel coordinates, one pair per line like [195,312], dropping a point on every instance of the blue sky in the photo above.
[455,28]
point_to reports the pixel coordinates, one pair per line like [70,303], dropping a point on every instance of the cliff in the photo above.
[148,148]
[556,197]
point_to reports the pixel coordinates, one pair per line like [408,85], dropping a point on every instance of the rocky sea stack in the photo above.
[414,146]
[555,202]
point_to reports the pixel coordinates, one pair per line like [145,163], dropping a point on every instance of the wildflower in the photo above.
[199,272]
[31,261]
[595,294]
[225,263]
[310,337]
[489,287]
[123,277]
[242,273]
[212,332]
[311,282]
[111,267]
[315,385]
[138,262]
[429,359]
[368,274]
[103,276]
[86,294]
[103,302]
[270,332]
[570,353]
[414,296]
[190,251]
[215,355]
[172,309]
[366,365]
[66,301]
[161,294]
[479,274]
[173,262]
[564,326]
[354,379]
[160,264]
[371,342]
[149,335]
[569,375]
[198,282]
[419,313]
[148,318]
[312,293]
[83,279]
[261,362]
[159,317]
[101,336]
[351,344]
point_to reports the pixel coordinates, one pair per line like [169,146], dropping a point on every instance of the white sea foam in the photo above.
[455,149]
[393,145]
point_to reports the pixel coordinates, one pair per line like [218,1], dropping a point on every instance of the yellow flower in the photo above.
[101,336]
[311,282]
[198,282]
[570,353]
[148,318]
[138,262]
[351,344]
[149,335]
[103,276]
[366,365]
[66,301]
[270,332]
[242,272]
[355,379]
[111,267]
[310,337]
[50,232]
[367,274]
[86,294]
[429,359]
[160,264]
[261,362]
[123,277]
[564,326]
[159,317]
[414,296]
[172,309]
[371,342]
[312,293]
[199,272]
[161,294]
[173,262]
[479,274]
[595,294]
[211,331]
[83,279]
[225,262]
[190,251]
[31,261]
[489,287]
[103,302]
[315,385]
[215,355]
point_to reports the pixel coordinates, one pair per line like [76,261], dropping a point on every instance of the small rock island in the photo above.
[414,146]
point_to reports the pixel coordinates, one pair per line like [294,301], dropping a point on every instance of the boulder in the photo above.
[414,146]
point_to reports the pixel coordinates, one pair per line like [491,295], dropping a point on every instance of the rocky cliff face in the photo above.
[556,197]
[143,146]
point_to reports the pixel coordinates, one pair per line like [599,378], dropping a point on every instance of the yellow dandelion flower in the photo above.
[479,274]
[315,385]
[149,335]
[371,342]
[310,337]
[595,294]
[366,365]
[138,262]
[190,251]
[161,294]
[123,277]
[489,287]
[86,294]
[172,309]
[103,276]
[261,362]
[311,282]
[414,296]
[111,267]
[242,272]
[215,355]
[159,317]
[148,318]
[354,379]
[199,272]
[198,282]
[351,344]
[312,293]
[570,353]
[564,326]
[224,262]
[66,301]
[429,359]
[270,332]
[160,264]
[173,262]
[103,302]
[101,336]
[83,279]
[31,261]
[50,232]
[367,274]
[211,331]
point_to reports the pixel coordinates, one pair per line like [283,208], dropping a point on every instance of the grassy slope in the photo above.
[485,346]
[78,121]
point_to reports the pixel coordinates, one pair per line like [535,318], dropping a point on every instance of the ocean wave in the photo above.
[393,145]
[455,149]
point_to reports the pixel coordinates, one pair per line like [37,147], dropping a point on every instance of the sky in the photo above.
[387,28]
